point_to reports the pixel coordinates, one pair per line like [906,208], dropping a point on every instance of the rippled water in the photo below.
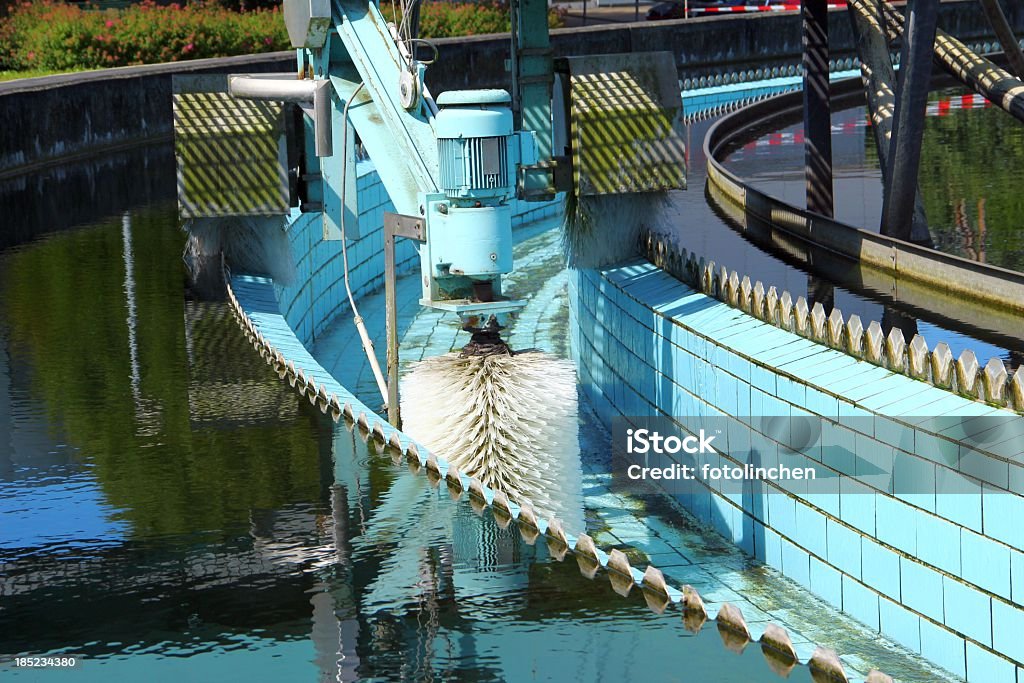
[972,158]
[169,512]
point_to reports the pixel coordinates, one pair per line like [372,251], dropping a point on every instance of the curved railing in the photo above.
[953,275]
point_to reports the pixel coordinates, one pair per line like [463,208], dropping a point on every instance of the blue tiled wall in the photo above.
[940,573]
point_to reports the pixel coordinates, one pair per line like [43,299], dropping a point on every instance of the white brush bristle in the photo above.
[511,421]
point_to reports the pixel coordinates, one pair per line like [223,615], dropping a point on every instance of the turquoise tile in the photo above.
[810,529]
[782,514]
[985,563]
[967,610]
[795,349]
[899,390]
[946,649]
[958,498]
[875,463]
[985,667]
[897,524]
[900,624]
[924,401]
[1001,515]
[936,448]
[826,582]
[861,603]
[984,467]
[914,480]
[921,588]
[894,433]
[857,505]
[880,568]
[796,563]
[938,543]
[857,377]
[1017,576]
[843,548]
[772,555]
[820,403]
[764,380]
[765,339]
[827,374]
[865,392]
[791,391]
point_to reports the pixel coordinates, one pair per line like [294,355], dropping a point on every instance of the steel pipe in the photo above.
[979,74]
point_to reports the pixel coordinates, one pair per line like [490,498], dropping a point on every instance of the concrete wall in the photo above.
[57,117]
[937,566]
[47,119]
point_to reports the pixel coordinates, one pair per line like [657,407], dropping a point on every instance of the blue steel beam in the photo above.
[401,142]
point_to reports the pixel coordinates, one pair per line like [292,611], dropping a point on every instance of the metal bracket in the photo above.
[400,225]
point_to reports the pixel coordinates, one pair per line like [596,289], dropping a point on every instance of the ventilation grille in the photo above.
[473,163]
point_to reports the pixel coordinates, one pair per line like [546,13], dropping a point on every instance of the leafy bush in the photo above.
[52,36]
[445,19]
[55,36]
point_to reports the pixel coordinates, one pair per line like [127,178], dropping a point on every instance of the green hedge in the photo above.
[52,36]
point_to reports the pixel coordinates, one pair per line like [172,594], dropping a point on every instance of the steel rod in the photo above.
[391,318]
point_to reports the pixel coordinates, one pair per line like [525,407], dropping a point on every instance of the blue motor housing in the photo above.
[474,144]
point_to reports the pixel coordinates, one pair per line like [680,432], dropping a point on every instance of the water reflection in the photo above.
[170,512]
[971,158]
[775,162]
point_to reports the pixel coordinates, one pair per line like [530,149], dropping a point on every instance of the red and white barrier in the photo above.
[969,101]
[788,7]
[942,107]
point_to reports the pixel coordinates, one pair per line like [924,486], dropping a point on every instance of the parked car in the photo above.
[676,9]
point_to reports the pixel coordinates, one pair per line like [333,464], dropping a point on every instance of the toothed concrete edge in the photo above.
[581,545]
[992,383]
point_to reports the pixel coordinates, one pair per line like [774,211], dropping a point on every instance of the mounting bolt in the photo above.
[421,210]
[494,257]
[443,208]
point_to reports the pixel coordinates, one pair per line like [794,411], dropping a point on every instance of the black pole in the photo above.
[908,120]
[867,21]
[817,109]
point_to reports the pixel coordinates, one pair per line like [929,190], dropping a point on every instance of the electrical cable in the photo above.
[371,355]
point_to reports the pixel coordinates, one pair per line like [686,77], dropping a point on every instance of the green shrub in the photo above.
[53,36]
[445,19]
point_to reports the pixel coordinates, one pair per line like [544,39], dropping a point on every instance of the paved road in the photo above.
[616,14]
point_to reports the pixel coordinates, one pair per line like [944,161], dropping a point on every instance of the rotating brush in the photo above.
[509,419]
